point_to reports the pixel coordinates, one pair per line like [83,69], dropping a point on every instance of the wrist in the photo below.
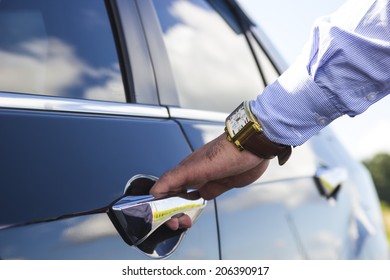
[244,130]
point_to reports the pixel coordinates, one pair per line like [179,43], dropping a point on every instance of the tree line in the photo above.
[379,167]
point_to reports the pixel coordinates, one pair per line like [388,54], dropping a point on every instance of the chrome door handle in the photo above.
[329,180]
[140,219]
[142,215]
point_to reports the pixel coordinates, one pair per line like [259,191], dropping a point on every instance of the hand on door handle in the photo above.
[155,226]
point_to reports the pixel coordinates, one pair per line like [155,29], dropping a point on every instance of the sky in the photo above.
[288,25]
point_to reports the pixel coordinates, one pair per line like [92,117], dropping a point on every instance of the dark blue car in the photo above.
[99,98]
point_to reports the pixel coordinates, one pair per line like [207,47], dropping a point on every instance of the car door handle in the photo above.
[329,180]
[140,219]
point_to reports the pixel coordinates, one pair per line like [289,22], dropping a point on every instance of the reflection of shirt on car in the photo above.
[344,69]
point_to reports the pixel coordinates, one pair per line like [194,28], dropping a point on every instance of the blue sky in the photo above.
[288,24]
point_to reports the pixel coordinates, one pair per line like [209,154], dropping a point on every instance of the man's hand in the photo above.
[213,169]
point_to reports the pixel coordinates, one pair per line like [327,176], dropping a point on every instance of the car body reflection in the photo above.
[340,234]
[89,229]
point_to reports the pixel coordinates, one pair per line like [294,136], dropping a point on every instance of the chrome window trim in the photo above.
[200,115]
[165,81]
[137,54]
[59,104]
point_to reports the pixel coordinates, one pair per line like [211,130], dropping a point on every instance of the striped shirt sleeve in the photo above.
[344,69]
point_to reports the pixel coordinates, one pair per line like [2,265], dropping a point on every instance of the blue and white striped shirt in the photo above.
[344,69]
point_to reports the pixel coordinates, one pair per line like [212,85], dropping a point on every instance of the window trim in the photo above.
[194,114]
[133,48]
[117,32]
[165,82]
[255,36]
[70,105]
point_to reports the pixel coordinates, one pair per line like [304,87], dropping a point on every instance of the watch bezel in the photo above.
[252,126]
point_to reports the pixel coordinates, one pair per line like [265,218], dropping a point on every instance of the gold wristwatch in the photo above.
[243,129]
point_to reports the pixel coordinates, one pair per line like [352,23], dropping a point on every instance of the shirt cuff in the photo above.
[294,107]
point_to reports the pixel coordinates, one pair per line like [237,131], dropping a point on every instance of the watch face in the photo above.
[237,120]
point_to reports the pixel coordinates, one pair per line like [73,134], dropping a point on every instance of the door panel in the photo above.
[340,226]
[255,223]
[75,162]
[94,237]
[55,165]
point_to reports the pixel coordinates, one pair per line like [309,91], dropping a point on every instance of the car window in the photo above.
[59,48]
[212,64]
[267,68]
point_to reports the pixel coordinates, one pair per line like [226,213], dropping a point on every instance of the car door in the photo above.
[211,61]
[80,117]
[216,61]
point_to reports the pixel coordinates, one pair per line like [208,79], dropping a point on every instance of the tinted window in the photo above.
[58,47]
[213,66]
[268,69]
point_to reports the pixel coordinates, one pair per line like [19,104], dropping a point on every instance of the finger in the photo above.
[213,189]
[172,223]
[246,178]
[182,221]
[185,221]
[216,160]
[168,184]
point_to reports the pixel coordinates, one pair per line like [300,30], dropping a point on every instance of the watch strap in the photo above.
[258,144]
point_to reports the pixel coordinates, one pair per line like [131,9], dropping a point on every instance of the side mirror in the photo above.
[329,180]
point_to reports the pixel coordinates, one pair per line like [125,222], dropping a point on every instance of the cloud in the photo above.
[324,244]
[210,61]
[52,67]
[92,228]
